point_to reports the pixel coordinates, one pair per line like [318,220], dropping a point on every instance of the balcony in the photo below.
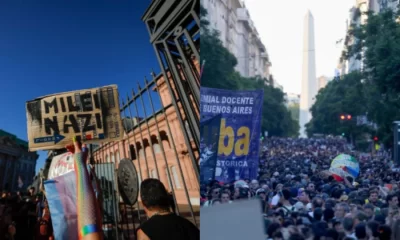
[244,16]
[264,55]
[259,43]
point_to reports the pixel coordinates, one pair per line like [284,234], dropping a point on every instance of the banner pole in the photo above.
[202,68]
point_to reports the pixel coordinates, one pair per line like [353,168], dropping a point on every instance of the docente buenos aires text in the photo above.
[80,115]
[223,104]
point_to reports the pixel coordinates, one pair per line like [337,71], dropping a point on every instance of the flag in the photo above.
[61,197]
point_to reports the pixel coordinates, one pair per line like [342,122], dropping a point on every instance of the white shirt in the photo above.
[275,200]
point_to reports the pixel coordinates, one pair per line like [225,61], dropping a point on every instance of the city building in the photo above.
[358,17]
[309,79]
[17,163]
[238,34]
[323,81]
[141,141]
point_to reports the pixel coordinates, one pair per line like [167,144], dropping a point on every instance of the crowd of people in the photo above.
[300,199]
[25,216]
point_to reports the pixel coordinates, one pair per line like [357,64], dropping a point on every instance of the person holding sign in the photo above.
[88,212]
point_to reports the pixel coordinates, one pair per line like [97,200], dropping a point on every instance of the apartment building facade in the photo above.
[239,35]
[358,17]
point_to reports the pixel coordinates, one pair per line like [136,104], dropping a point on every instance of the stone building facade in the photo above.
[17,163]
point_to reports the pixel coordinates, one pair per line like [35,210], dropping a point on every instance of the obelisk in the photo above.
[309,79]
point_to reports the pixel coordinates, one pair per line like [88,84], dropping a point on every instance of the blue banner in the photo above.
[209,132]
[239,140]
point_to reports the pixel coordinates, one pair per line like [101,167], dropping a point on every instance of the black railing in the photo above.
[161,122]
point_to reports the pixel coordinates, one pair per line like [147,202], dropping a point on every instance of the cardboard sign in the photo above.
[92,115]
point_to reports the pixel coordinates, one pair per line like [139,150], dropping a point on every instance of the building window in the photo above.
[168,178]
[156,148]
[141,153]
[117,156]
[112,157]
[187,128]
[154,174]
[107,158]
[175,177]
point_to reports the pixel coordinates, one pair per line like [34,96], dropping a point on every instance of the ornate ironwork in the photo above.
[174,28]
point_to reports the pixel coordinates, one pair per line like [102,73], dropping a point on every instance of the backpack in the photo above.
[288,211]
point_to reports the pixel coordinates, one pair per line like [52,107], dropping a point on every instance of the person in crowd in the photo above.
[374,199]
[225,197]
[301,199]
[215,192]
[392,201]
[162,223]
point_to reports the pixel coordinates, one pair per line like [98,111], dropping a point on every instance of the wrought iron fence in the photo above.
[161,121]
[154,142]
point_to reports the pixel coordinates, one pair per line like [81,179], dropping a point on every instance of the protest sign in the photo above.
[226,221]
[92,115]
[61,164]
[240,130]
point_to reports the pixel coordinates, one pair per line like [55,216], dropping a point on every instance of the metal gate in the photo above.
[161,121]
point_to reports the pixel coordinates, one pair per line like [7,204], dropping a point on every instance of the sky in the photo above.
[50,47]
[280,25]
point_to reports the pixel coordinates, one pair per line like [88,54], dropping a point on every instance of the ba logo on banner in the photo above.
[227,144]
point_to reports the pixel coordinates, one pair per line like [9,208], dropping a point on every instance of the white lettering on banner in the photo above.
[208,106]
[242,110]
[210,99]
[238,100]
[234,163]
[227,100]
[216,109]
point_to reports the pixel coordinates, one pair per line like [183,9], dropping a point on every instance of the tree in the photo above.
[219,72]
[276,118]
[294,110]
[379,41]
[339,97]
[375,90]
